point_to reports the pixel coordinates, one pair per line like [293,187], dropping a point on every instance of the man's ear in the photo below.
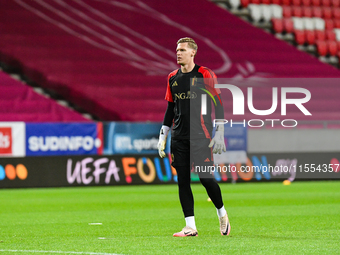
[193,53]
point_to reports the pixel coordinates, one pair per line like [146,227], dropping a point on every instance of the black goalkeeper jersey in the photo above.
[185,90]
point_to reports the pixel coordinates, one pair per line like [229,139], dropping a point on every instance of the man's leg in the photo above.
[214,192]
[181,162]
[204,159]
[187,201]
[184,189]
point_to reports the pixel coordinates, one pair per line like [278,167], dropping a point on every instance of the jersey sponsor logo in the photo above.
[5,140]
[174,84]
[187,95]
[207,160]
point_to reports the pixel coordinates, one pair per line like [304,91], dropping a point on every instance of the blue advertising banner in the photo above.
[46,139]
[235,137]
[131,138]
[136,138]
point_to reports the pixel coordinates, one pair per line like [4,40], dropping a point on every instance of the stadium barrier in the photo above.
[117,153]
[94,170]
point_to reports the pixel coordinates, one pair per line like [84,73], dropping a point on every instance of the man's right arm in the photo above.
[163,134]
[169,114]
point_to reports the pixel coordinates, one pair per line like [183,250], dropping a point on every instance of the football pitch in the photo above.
[266,218]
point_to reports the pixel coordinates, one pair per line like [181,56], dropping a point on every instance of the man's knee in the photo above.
[208,182]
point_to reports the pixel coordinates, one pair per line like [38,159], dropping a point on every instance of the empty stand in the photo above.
[18,102]
[112,58]
[309,21]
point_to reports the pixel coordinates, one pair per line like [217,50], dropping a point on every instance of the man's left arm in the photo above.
[217,141]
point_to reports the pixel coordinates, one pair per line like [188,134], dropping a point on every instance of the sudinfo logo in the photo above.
[12,172]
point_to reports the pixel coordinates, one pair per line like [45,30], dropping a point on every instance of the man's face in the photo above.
[184,54]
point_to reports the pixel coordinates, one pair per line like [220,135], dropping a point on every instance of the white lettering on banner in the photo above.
[99,170]
[85,170]
[88,170]
[62,143]
[290,164]
[4,141]
[145,144]
[124,143]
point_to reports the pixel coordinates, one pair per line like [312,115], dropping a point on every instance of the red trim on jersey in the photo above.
[212,80]
[168,95]
[205,130]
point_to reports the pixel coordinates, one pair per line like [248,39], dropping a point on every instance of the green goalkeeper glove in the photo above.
[163,134]
[218,140]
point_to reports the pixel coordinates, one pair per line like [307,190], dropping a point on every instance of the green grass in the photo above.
[266,218]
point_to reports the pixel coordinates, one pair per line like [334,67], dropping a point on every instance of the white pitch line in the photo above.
[61,252]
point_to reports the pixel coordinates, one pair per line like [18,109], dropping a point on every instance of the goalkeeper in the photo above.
[191,135]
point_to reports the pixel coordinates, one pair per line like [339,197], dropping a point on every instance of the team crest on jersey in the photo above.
[174,84]
[194,81]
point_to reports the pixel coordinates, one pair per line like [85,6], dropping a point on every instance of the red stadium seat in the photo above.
[330,35]
[316,2]
[306,2]
[336,13]
[300,37]
[326,3]
[326,13]
[338,43]
[320,35]
[245,3]
[296,2]
[277,25]
[332,48]
[335,3]
[307,11]
[336,23]
[286,2]
[278,2]
[329,24]
[310,37]
[317,12]
[255,1]
[321,47]
[286,11]
[288,25]
[296,11]
[266,1]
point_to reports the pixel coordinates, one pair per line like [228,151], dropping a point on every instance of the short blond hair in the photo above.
[191,43]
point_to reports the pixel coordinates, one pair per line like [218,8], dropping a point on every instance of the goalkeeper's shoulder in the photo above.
[207,72]
[173,73]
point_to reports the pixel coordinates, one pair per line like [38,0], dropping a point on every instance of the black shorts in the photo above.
[187,152]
